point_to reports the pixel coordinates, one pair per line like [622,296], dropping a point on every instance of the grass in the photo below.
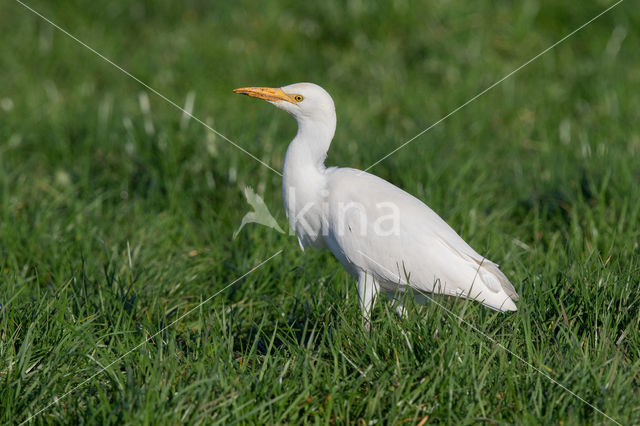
[116,218]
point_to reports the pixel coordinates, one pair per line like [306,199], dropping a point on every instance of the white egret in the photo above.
[384,237]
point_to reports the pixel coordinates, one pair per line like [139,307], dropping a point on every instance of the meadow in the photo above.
[124,298]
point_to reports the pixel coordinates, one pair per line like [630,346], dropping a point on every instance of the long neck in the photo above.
[303,177]
[308,150]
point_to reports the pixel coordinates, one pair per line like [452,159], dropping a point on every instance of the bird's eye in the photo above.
[298,98]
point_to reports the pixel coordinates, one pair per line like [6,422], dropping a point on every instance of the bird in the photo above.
[387,239]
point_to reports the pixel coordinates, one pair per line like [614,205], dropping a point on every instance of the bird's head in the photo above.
[302,100]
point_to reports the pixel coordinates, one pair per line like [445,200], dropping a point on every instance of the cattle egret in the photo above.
[387,239]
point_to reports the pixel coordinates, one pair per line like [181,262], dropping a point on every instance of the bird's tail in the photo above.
[504,282]
[502,294]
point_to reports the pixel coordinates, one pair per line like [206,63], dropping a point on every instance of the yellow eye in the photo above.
[298,98]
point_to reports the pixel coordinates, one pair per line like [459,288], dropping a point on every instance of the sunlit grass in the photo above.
[117,212]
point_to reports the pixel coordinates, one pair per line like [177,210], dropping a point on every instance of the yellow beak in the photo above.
[266,93]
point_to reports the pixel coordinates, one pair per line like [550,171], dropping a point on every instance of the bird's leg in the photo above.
[368,291]
[397,304]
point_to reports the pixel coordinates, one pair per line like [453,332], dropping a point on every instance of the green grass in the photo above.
[115,222]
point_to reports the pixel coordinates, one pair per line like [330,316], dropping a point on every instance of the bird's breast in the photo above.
[305,204]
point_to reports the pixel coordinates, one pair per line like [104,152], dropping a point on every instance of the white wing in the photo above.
[375,227]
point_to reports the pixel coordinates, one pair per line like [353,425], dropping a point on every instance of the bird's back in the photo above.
[377,228]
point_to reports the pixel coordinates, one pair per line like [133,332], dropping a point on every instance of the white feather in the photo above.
[342,209]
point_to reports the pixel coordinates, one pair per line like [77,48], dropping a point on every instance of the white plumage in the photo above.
[383,236]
